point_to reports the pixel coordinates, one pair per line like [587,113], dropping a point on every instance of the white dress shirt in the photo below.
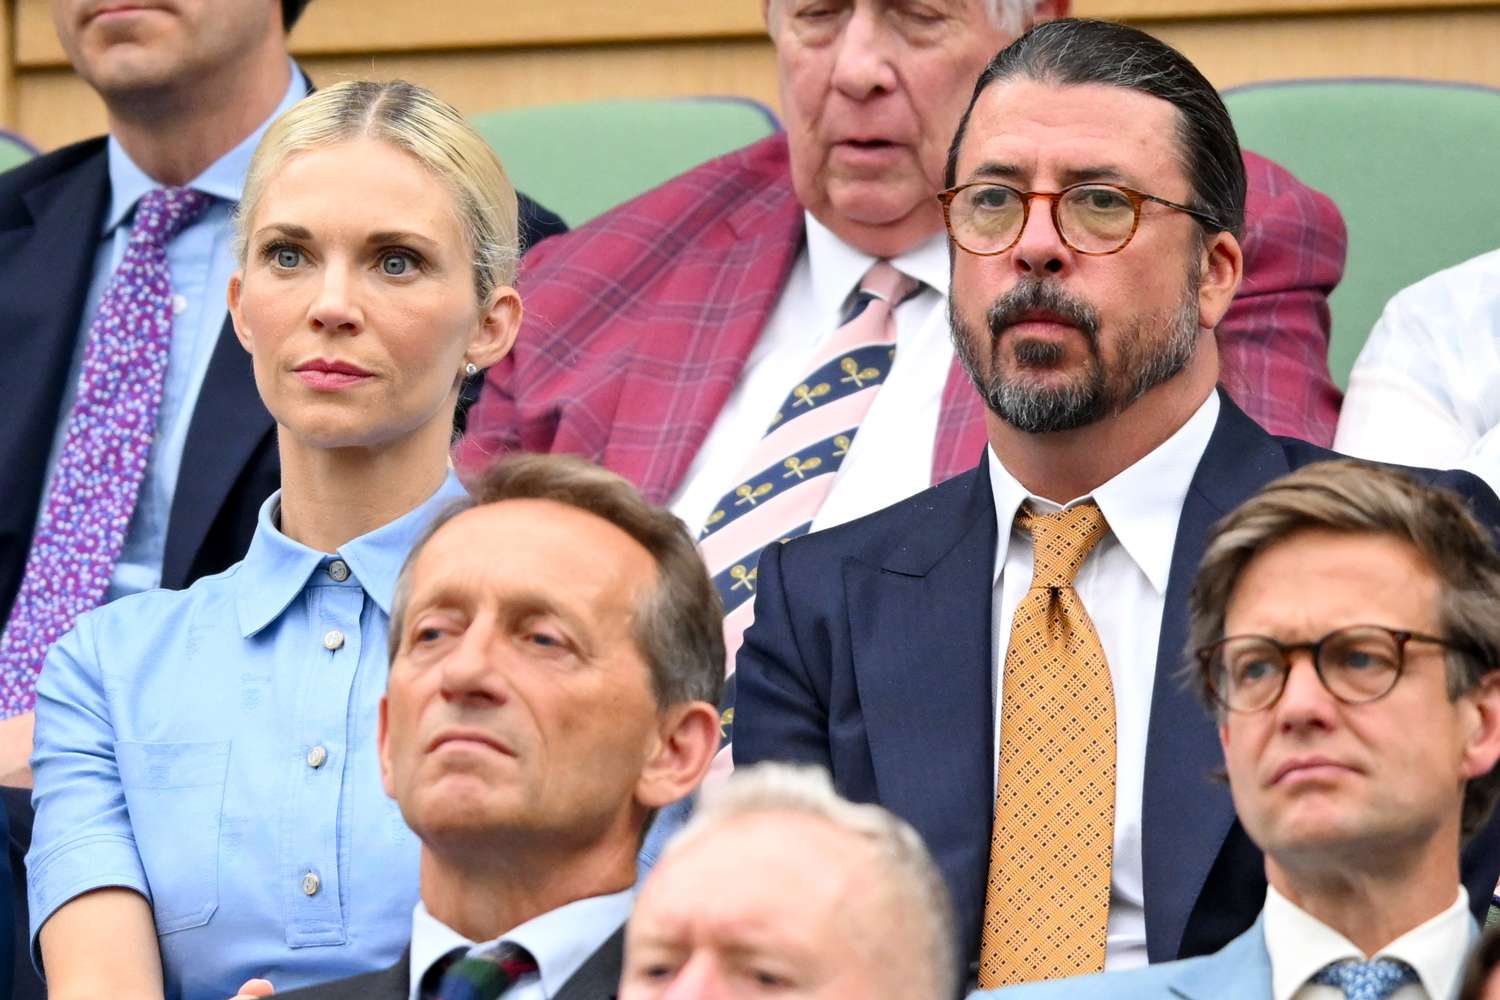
[1426,388]
[1300,945]
[1123,584]
[891,457]
[560,941]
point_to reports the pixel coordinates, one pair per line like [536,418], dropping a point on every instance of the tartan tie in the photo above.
[791,471]
[464,975]
[1376,979]
[110,430]
[1046,909]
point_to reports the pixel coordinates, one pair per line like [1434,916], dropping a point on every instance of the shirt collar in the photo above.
[224,178]
[560,941]
[1142,504]
[837,267]
[276,568]
[1300,944]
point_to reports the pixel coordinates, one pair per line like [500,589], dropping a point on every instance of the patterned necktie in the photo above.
[790,472]
[1376,979]
[1046,909]
[103,458]
[460,975]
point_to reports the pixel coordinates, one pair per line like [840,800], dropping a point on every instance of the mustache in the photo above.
[1035,295]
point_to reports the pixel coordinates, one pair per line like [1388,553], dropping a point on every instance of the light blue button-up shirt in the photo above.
[201,259]
[215,750]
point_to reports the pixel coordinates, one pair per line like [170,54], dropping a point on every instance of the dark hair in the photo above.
[1084,51]
[1361,499]
[291,10]
[680,628]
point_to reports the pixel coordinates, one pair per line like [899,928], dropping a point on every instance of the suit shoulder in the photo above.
[1271,188]
[678,212]
[1145,982]
[19,179]
[50,168]
[880,532]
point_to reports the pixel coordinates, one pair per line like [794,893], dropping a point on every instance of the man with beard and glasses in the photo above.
[997,658]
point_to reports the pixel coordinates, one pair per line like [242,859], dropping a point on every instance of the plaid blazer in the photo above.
[638,324]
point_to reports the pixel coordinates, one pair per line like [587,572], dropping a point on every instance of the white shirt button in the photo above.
[311,883]
[179,305]
[316,756]
[339,570]
[333,639]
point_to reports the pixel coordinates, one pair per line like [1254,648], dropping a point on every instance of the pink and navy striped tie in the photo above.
[103,459]
[791,471]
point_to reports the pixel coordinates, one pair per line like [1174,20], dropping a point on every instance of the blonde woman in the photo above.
[208,800]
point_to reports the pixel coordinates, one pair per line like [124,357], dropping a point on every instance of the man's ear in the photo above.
[236,292]
[686,744]
[383,745]
[1222,267]
[498,327]
[1482,738]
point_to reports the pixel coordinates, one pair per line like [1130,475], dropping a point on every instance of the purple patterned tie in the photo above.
[103,458]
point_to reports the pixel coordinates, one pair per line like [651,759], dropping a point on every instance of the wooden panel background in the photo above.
[484,54]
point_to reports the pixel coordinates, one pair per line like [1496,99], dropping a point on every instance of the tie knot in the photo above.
[882,281]
[1061,541]
[477,975]
[162,212]
[1376,979]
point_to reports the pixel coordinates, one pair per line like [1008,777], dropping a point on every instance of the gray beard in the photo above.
[1094,394]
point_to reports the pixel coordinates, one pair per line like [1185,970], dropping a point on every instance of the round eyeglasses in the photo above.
[985,218]
[1361,663]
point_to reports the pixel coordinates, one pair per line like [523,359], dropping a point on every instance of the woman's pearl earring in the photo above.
[470,369]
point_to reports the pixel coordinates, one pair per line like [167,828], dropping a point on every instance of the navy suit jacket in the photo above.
[1241,970]
[51,210]
[870,656]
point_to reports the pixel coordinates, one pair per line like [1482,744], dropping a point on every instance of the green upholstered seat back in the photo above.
[581,159]
[1410,163]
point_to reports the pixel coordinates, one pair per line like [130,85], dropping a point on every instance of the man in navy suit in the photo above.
[1085,315]
[188,88]
[1346,639]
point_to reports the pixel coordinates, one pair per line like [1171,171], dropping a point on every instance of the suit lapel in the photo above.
[49,261]
[681,373]
[920,641]
[229,422]
[1186,814]
[599,977]
[1241,970]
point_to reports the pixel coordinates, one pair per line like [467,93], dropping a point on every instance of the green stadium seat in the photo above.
[1410,163]
[14,150]
[581,159]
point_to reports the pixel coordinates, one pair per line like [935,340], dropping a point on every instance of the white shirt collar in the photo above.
[837,267]
[1142,504]
[560,940]
[1299,945]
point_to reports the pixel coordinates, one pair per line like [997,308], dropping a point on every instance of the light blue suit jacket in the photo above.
[1241,970]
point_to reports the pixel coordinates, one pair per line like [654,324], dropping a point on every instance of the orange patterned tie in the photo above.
[1046,910]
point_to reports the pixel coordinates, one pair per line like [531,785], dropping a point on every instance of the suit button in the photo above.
[316,756]
[311,883]
[333,640]
[339,570]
